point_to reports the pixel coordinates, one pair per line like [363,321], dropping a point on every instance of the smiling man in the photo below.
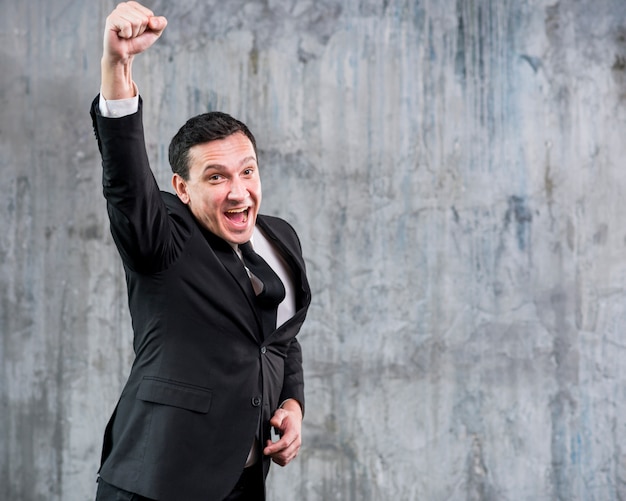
[217,294]
[218,180]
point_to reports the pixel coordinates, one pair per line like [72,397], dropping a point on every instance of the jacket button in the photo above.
[263,349]
[256,401]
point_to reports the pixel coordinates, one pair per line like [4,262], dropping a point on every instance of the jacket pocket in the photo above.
[175,394]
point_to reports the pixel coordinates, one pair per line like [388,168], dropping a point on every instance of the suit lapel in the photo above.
[229,258]
[290,251]
[292,254]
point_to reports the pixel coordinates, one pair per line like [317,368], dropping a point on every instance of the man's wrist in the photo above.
[117,82]
[291,404]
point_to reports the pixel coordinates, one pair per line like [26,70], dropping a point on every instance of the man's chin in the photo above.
[237,237]
[235,234]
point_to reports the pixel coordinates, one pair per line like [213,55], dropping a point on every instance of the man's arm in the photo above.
[139,218]
[130,29]
[287,420]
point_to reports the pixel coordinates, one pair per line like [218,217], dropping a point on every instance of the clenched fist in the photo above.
[130,29]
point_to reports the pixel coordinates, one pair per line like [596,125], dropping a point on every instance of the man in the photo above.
[217,363]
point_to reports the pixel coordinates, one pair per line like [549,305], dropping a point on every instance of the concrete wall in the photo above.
[455,170]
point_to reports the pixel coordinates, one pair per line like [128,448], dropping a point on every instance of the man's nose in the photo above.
[238,190]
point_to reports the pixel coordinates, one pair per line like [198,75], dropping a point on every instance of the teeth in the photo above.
[243,211]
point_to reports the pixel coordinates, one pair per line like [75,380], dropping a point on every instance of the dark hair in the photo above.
[202,129]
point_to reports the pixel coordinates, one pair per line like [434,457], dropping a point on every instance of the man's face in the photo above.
[224,188]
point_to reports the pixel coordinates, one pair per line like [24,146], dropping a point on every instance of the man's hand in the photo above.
[288,422]
[130,29]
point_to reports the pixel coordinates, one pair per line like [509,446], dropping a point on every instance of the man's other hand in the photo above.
[288,422]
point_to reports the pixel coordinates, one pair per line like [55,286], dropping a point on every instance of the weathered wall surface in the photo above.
[455,170]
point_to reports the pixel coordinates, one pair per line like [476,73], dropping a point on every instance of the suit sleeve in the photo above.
[139,218]
[293,383]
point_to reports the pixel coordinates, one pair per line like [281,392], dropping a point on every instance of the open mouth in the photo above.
[238,216]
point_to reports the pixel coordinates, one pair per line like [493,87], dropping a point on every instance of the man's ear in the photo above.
[180,186]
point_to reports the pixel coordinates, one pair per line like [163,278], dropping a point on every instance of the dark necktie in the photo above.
[273,289]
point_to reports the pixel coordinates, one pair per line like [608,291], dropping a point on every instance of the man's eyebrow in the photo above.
[221,167]
[218,167]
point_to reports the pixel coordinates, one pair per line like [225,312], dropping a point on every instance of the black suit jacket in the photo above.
[204,380]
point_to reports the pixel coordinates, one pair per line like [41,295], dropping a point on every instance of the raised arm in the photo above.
[137,211]
[130,29]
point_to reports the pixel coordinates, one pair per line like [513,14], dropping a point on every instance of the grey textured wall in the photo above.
[455,170]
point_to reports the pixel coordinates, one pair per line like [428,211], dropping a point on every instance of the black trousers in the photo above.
[108,492]
[249,487]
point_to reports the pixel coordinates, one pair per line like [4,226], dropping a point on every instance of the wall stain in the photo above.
[521,217]
[478,485]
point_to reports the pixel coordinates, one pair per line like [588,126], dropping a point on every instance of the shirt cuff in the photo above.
[118,108]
